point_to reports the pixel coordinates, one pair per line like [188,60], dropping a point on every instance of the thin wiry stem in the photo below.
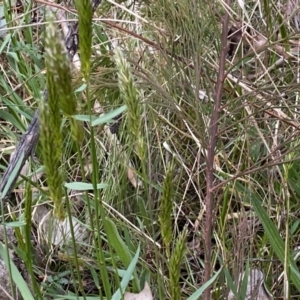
[209,201]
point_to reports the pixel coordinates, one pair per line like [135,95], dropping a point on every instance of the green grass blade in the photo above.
[275,240]
[117,243]
[118,294]
[108,117]
[12,177]
[200,291]
[16,276]
[230,283]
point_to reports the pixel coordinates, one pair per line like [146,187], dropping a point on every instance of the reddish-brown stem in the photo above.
[213,130]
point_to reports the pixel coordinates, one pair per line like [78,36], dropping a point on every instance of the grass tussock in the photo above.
[168,154]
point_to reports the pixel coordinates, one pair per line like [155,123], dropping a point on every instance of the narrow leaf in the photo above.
[82,186]
[118,294]
[12,176]
[84,118]
[200,291]
[108,117]
[275,240]
[117,243]
[16,276]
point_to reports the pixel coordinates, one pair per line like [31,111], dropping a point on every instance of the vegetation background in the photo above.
[168,159]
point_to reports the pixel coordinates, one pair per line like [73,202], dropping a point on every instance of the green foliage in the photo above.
[200,291]
[127,276]
[11,179]
[15,274]
[175,264]
[276,241]
[155,64]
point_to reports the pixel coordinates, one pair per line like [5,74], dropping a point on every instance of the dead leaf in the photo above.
[256,289]
[145,294]
[259,41]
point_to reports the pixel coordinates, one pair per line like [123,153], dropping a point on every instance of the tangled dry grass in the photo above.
[200,172]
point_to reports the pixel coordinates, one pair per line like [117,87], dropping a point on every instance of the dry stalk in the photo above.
[213,130]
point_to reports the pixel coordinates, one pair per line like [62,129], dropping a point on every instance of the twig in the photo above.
[30,138]
[213,130]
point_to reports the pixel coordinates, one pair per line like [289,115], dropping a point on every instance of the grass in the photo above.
[199,184]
